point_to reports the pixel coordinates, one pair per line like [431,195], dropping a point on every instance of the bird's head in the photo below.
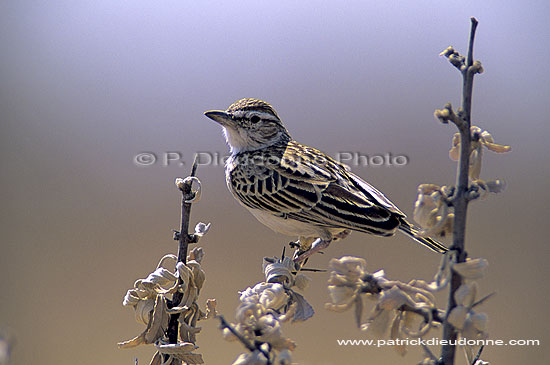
[250,124]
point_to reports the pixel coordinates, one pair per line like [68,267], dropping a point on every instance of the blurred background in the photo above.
[86,86]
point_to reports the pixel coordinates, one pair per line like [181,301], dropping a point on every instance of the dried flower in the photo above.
[470,324]
[472,269]
[480,138]
[431,210]
[262,310]
[182,351]
[189,180]
[149,300]
[201,229]
[156,326]
[398,305]
[345,282]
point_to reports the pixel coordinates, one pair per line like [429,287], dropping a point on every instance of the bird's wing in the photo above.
[303,183]
[278,183]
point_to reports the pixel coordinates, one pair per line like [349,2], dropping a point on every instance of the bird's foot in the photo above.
[293,244]
[303,243]
[301,255]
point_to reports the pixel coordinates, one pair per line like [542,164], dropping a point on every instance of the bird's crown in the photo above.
[249,104]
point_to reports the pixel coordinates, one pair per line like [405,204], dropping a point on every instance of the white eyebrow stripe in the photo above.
[261,114]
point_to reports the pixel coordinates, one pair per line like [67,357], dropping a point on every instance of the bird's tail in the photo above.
[414,233]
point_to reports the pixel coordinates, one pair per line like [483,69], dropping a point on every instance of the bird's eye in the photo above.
[255,119]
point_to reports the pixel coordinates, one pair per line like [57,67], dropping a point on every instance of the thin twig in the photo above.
[428,351]
[249,346]
[482,300]
[436,314]
[371,286]
[460,200]
[184,239]
[186,195]
[478,355]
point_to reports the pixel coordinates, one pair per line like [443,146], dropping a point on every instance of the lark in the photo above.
[298,190]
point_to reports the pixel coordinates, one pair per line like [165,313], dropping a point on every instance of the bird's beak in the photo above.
[220,117]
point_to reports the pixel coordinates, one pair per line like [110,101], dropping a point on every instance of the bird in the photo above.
[298,190]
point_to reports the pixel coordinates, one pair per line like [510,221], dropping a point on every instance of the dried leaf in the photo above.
[457,317]
[134,342]
[132,297]
[480,321]
[196,254]
[358,310]
[352,268]
[498,148]
[454,153]
[342,297]
[301,281]
[378,323]
[143,311]
[199,276]
[495,186]
[161,277]
[211,310]
[401,349]
[284,358]
[181,351]
[466,294]
[201,229]
[483,138]
[188,333]
[159,321]
[475,163]
[273,297]
[289,314]
[394,298]
[303,309]
[157,359]
[425,211]
[471,332]
[472,269]
[155,327]
[279,271]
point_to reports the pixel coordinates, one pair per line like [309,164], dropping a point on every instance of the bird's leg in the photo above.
[302,244]
[318,245]
[305,243]
[309,246]
[341,235]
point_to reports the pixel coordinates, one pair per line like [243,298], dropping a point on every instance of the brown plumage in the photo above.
[298,190]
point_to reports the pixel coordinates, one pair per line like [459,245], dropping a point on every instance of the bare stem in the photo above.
[249,346]
[478,355]
[460,200]
[184,239]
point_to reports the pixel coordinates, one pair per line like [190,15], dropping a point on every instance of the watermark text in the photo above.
[208,158]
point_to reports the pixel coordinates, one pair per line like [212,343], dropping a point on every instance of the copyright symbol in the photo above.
[145,159]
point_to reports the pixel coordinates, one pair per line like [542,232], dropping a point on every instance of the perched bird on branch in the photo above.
[298,190]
